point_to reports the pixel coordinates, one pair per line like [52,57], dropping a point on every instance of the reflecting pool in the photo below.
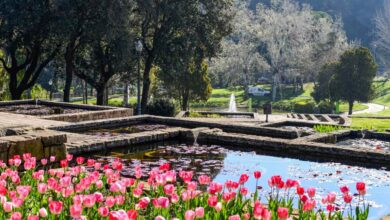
[227,164]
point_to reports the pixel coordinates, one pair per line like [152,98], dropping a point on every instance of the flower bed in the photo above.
[92,190]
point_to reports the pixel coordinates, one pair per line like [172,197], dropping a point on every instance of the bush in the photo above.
[38,92]
[325,107]
[283,106]
[161,107]
[304,107]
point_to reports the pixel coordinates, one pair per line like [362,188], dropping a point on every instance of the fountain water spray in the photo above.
[232,104]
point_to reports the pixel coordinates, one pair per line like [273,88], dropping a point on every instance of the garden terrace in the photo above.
[270,139]
[61,111]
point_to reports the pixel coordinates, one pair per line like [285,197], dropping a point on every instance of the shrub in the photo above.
[161,107]
[283,106]
[304,107]
[325,107]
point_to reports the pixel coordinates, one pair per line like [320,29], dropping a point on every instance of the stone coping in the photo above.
[94,112]
[52,103]
[252,115]
[187,123]
[313,150]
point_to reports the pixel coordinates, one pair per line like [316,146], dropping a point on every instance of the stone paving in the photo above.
[16,120]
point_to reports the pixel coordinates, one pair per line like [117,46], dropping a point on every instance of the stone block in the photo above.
[59,151]
[19,145]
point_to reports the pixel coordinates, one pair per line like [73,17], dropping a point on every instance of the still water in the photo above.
[228,164]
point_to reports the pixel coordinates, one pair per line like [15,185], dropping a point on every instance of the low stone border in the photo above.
[40,143]
[298,147]
[228,127]
[94,112]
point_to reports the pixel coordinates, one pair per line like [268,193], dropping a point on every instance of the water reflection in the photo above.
[227,164]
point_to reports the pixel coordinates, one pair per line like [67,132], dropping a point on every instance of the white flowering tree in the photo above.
[382,44]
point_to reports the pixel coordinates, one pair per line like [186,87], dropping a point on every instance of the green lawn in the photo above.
[366,123]
[382,89]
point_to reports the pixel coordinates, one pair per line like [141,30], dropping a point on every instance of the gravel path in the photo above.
[372,108]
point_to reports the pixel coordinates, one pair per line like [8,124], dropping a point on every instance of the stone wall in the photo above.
[126,140]
[40,143]
[91,116]
[330,152]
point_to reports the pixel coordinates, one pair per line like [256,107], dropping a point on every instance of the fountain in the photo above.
[232,104]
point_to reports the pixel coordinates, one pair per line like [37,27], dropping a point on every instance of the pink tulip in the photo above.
[76,211]
[218,207]
[331,197]
[168,189]
[103,211]
[246,216]
[189,215]
[33,217]
[7,206]
[110,201]
[243,191]
[204,180]
[119,199]
[199,212]
[347,198]
[118,215]
[42,187]
[311,192]
[16,216]
[43,212]
[159,218]
[234,217]
[55,207]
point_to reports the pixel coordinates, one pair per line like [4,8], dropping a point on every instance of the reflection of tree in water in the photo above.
[206,160]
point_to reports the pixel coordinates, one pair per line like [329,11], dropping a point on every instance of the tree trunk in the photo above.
[185,101]
[86,91]
[146,82]
[274,87]
[126,96]
[69,56]
[100,95]
[16,93]
[350,107]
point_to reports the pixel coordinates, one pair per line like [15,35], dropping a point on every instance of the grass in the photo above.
[221,98]
[370,124]
[199,115]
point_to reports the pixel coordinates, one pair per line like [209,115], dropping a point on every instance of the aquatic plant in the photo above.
[327,128]
[92,190]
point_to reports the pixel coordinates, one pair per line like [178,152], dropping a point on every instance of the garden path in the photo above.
[372,108]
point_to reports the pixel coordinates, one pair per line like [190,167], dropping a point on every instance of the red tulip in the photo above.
[132,214]
[64,163]
[300,190]
[361,188]
[282,213]
[212,201]
[347,198]
[243,179]
[344,189]
[257,174]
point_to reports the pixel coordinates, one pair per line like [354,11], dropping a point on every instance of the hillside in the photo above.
[357,15]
